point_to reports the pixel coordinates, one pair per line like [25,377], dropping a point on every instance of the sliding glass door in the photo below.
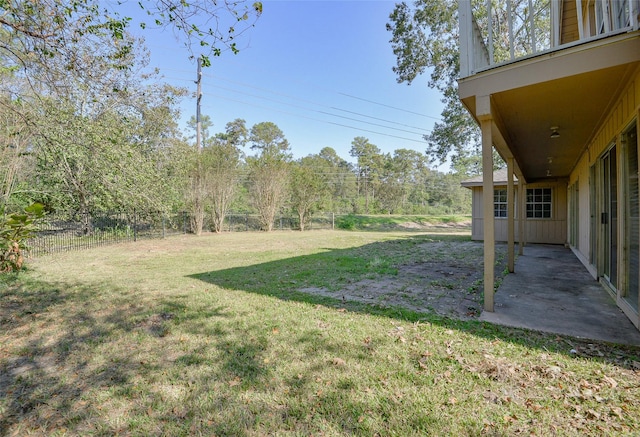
[609,217]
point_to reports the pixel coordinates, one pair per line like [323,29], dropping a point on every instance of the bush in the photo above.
[15,230]
[347,222]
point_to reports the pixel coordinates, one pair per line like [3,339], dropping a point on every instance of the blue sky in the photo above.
[320,70]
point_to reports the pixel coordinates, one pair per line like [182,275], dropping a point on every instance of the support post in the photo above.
[510,217]
[524,213]
[521,216]
[487,203]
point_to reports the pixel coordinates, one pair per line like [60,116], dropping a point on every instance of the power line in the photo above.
[425,132]
[319,112]
[330,107]
[294,98]
[325,106]
[318,120]
[351,96]
[388,106]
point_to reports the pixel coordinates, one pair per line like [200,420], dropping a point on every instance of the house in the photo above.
[555,88]
[545,208]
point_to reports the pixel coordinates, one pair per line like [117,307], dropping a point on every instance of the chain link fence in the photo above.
[76,231]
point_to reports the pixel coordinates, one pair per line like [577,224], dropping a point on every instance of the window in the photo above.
[499,203]
[539,203]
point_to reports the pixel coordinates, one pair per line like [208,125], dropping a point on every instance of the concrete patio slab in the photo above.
[552,291]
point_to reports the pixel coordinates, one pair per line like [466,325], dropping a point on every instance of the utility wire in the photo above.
[351,96]
[318,120]
[425,131]
[218,78]
[320,104]
[317,111]
[387,106]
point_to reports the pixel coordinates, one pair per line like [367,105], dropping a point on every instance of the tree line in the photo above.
[86,126]
[133,156]
[266,179]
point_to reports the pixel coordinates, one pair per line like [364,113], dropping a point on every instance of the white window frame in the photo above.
[500,203]
[537,200]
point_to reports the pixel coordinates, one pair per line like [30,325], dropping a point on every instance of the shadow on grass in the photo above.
[334,269]
[73,360]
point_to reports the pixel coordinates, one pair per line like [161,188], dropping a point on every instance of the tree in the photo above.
[199,186]
[100,147]
[96,163]
[341,179]
[34,33]
[268,171]
[15,141]
[223,160]
[391,194]
[205,124]
[196,191]
[309,187]
[400,174]
[425,36]
[369,163]
[95,130]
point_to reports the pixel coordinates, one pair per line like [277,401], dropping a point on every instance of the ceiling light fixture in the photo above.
[554,132]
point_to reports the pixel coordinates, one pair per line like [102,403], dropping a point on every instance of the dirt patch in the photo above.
[463,225]
[448,284]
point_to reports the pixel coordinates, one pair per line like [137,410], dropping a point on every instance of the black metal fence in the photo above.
[74,231]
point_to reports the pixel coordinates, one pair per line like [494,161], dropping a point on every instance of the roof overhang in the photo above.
[571,89]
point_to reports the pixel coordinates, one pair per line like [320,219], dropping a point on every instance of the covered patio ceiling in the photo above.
[569,91]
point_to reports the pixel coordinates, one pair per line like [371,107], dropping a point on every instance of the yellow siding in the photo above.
[569,23]
[622,112]
[477,221]
[549,231]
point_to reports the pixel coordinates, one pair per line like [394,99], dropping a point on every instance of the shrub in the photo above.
[347,222]
[15,230]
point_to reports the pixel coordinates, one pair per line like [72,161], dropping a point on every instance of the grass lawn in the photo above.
[212,335]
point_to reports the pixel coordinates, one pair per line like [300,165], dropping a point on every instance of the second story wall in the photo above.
[495,33]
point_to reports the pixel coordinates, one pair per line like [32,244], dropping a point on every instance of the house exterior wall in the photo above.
[587,93]
[544,231]
[623,112]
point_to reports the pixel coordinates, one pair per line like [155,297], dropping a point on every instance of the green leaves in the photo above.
[425,38]
[15,230]
[206,62]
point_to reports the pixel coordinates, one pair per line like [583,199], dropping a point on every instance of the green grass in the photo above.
[209,336]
